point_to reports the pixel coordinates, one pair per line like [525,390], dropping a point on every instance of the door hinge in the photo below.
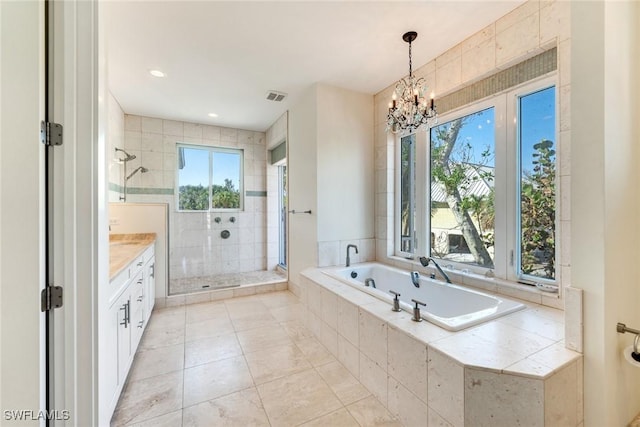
[51,298]
[50,133]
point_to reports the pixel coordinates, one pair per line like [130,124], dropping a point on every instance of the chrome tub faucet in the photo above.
[349,259]
[415,278]
[425,261]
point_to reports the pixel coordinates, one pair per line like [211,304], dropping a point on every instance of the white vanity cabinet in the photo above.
[129,306]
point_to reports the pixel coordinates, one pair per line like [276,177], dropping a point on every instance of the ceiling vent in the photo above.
[276,96]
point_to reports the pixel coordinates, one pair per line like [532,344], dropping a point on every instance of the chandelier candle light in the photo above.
[409,108]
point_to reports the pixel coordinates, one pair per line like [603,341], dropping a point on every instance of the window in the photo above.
[462,194]
[407,193]
[537,173]
[209,178]
[478,190]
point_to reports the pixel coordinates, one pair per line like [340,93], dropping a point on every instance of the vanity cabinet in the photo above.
[130,302]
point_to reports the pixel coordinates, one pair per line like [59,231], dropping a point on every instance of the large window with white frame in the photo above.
[478,190]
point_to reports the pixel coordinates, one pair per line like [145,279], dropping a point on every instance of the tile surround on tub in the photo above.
[419,368]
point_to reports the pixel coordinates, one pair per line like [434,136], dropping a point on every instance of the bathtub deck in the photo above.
[512,368]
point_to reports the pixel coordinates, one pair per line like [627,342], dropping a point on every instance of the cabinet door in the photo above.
[136,315]
[150,287]
[124,336]
[109,378]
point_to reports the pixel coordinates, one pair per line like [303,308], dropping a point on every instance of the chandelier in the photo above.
[409,108]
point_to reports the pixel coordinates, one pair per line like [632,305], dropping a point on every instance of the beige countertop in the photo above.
[124,248]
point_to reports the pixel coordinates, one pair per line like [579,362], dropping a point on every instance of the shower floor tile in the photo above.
[273,374]
[223,281]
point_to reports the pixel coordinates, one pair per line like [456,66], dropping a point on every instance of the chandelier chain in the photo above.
[410,64]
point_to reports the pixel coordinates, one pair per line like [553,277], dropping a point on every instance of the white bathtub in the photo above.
[449,306]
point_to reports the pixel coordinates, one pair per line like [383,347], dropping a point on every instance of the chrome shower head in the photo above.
[128,156]
[142,169]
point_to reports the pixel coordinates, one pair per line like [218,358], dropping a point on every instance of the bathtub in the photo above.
[449,306]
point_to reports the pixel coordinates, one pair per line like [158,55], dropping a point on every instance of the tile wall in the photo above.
[115,139]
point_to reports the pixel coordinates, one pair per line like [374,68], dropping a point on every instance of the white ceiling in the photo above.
[223,57]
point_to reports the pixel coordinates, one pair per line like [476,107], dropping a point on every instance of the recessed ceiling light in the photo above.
[157,73]
[213,115]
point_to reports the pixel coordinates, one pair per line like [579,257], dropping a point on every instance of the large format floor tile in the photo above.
[246,361]
[370,412]
[149,398]
[149,363]
[172,419]
[297,398]
[273,363]
[211,350]
[208,328]
[243,408]
[211,380]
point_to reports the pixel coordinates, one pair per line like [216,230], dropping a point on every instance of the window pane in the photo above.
[407,193]
[462,190]
[537,183]
[225,193]
[193,179]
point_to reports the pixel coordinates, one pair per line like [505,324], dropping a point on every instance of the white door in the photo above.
[79,213]
[22,208]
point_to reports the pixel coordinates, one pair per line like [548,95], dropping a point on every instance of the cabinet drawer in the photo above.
[137,294]
[137,328]
[138,264]
[118,284]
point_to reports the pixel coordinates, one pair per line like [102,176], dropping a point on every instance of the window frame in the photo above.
[421,173]
[211,150]
[506,187]
[513,113]
[497,102]
[283,226]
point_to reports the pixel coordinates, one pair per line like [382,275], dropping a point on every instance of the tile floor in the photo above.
[241,362]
